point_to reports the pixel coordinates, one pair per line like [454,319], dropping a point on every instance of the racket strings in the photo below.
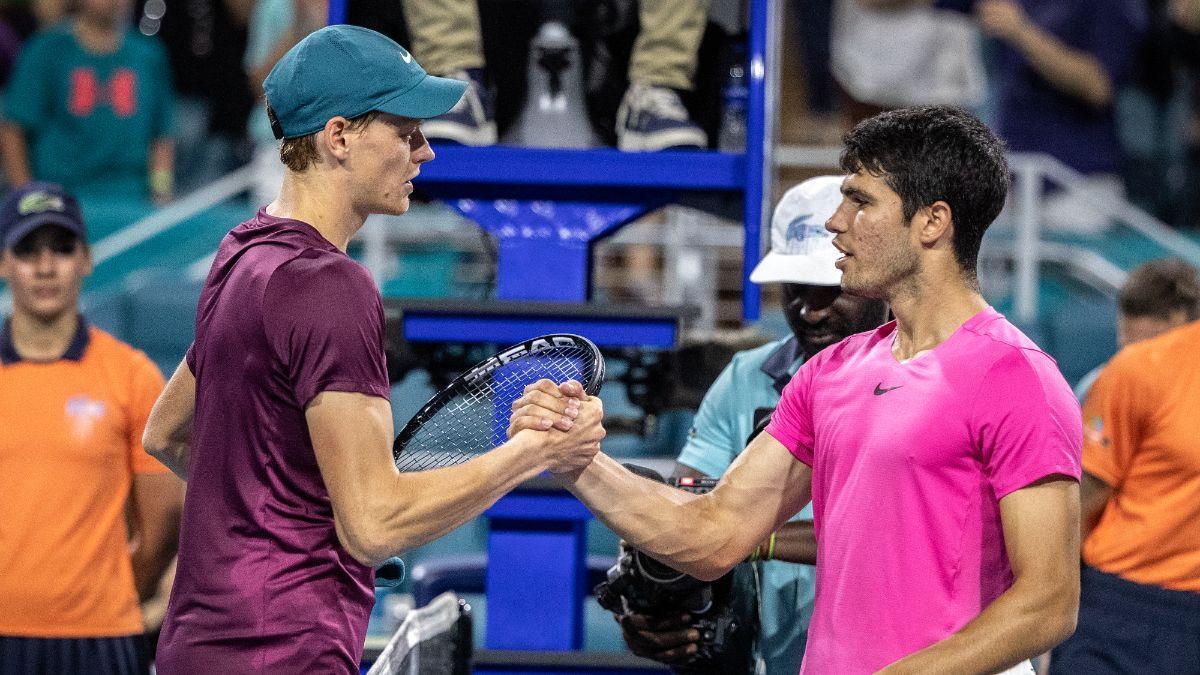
[476,419]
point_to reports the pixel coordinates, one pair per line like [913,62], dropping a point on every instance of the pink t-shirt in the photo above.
[909,463]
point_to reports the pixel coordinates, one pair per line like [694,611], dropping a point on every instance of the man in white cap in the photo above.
[819,314]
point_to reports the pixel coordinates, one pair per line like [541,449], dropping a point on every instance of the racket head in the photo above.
[470,415]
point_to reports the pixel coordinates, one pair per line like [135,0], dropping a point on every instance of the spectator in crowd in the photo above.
[1062,62]
[1184,16]
[1150,113]
[1158,296]
[275,26]
[895,53]
[1060,65]
[89,107]
[73,474]
[206,42]
[446,36]
[1139,609]
[819,315]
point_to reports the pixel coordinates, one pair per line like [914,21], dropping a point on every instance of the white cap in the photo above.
[802,249]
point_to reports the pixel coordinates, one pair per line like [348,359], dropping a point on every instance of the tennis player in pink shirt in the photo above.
[941,451]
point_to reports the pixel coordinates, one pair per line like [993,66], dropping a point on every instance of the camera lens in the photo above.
[656,571]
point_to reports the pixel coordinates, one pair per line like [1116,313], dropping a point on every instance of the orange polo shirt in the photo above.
[1142,437]
[70,443]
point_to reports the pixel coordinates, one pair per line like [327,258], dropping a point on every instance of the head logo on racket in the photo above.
[524,349]
[470,415]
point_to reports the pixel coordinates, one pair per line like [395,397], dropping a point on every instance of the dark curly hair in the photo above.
[936,153]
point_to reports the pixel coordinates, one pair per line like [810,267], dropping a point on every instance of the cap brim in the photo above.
[31,223]
[776,268]
[430,97]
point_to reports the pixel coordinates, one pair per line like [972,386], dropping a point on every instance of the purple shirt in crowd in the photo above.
[263,584]
[1033,115]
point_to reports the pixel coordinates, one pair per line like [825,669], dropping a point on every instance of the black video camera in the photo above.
[724,612]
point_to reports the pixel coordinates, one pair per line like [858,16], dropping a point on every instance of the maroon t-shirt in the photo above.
[263,584]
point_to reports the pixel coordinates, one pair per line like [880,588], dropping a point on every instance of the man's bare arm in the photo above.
[795,542]
[1072,71]
[14,152]
[157,504]
[702,535]
[168,434]
[161,170]
[1041,536]
[1093,498]
[379,512]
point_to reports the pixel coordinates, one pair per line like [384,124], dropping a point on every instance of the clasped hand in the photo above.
[571,420]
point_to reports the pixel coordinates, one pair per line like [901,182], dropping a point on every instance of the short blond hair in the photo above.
[300,152]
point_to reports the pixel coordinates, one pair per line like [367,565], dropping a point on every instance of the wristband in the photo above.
[161,182]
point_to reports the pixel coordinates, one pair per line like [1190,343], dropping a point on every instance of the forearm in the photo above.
[1071,71]
[412,509]
[1020,624]
[176,455]
[679,528]
[795,542]
[150,559]
[168,433]
[157,505]
[162,169]
[1094,496]
[15,153]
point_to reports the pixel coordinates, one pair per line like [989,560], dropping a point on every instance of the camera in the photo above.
[723,611]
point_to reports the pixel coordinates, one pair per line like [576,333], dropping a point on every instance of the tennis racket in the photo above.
[470,415]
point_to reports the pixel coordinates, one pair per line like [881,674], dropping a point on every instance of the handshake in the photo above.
[567,421]
[705,634]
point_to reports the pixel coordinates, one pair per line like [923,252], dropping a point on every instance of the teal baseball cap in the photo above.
[350,71]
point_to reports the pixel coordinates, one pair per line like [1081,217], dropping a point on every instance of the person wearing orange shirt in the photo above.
[88,520]
[1139,610]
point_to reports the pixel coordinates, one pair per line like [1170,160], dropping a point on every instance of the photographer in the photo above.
[819,315]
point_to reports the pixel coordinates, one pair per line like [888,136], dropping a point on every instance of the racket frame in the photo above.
[487,366]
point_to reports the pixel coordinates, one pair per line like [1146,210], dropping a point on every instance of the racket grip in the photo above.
[390,573]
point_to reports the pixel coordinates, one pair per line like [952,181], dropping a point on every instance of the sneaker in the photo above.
[470,121]
[653,118]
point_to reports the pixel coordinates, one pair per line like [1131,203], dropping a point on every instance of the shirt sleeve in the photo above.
[792,424]
[712,442]
[146,385]
[1026,422]
[1113,421]
[27,99]
[324,321]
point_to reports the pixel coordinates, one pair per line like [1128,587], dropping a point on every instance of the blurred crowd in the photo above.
[148,99]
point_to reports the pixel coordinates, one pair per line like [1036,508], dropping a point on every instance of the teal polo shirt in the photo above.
[89,119]
[752,382]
